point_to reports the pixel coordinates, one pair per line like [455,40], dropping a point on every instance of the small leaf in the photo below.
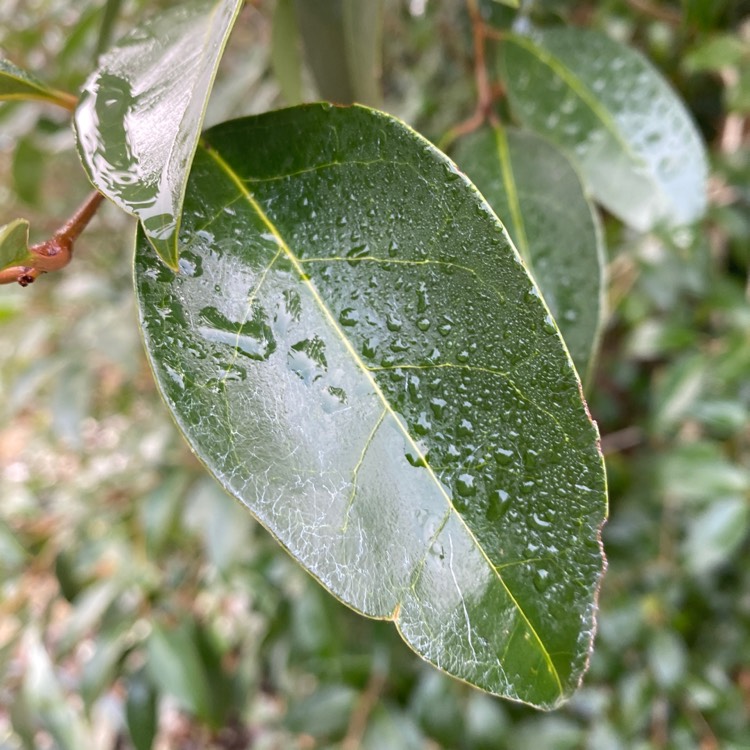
[285,52]
[607,106]
[14,245]
[141,112]
[357,353]
[509,3]
[17,84]
[536,191]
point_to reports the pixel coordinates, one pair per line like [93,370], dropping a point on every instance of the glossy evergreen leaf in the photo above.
[17,84]
[14,244]
[537,193]
[141,111]
[355,350]
[343,40]
[610,109]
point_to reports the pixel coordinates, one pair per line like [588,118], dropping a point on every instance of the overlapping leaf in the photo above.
[610,109]
[16,84]
[14,244]
[534,189]
[356,352]
[141,112]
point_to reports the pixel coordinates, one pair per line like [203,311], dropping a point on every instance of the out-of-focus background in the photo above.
[141,607]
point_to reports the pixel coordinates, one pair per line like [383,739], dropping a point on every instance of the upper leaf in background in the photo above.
[610,109]
[140,114]
[285,51]
[537,193]
[356,352]
[14,245]
[17,84]
[343,44]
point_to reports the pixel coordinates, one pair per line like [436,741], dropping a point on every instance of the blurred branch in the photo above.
[483,110]
[56,252]
[647,8]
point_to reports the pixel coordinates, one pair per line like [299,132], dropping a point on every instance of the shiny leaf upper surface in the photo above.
[355,350]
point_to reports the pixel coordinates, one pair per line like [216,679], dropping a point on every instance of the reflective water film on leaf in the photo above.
[356,352]
[141,112]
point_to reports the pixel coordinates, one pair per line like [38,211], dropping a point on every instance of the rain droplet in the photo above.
[393,323]
[349,317]
[542,580]
[465,485]
[438,407]
[498,505]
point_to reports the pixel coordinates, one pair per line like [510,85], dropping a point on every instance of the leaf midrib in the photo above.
[304,278]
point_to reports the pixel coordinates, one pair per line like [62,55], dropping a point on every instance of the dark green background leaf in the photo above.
[343,41]
[537,193]
[141,112]
[285,51]
[612,111]
[355,350]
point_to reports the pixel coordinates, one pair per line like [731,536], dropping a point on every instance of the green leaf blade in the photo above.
[533,187]
[364,362]
[609,108]
[17,84]
[140,114]
[14,244]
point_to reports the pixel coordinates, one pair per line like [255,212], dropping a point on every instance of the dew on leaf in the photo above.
[542,580]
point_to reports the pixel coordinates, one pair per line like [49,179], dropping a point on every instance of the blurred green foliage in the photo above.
[140,607]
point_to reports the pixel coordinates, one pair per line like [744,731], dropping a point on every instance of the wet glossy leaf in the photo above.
[141,113]
[343,40]
[535,190]
[355,350]
[16,84]
[14,244]
[639,152]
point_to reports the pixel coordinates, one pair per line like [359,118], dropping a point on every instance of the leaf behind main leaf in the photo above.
[140,114]
[536,191]
[356,352]
[17,84]
[638,150]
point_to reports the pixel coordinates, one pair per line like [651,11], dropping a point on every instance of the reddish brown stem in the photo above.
[483,108]
[56,252]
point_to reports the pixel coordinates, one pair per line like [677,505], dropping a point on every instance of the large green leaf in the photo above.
[140,114]
[17,84]
[639,151]
[536,191]
[355,350]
